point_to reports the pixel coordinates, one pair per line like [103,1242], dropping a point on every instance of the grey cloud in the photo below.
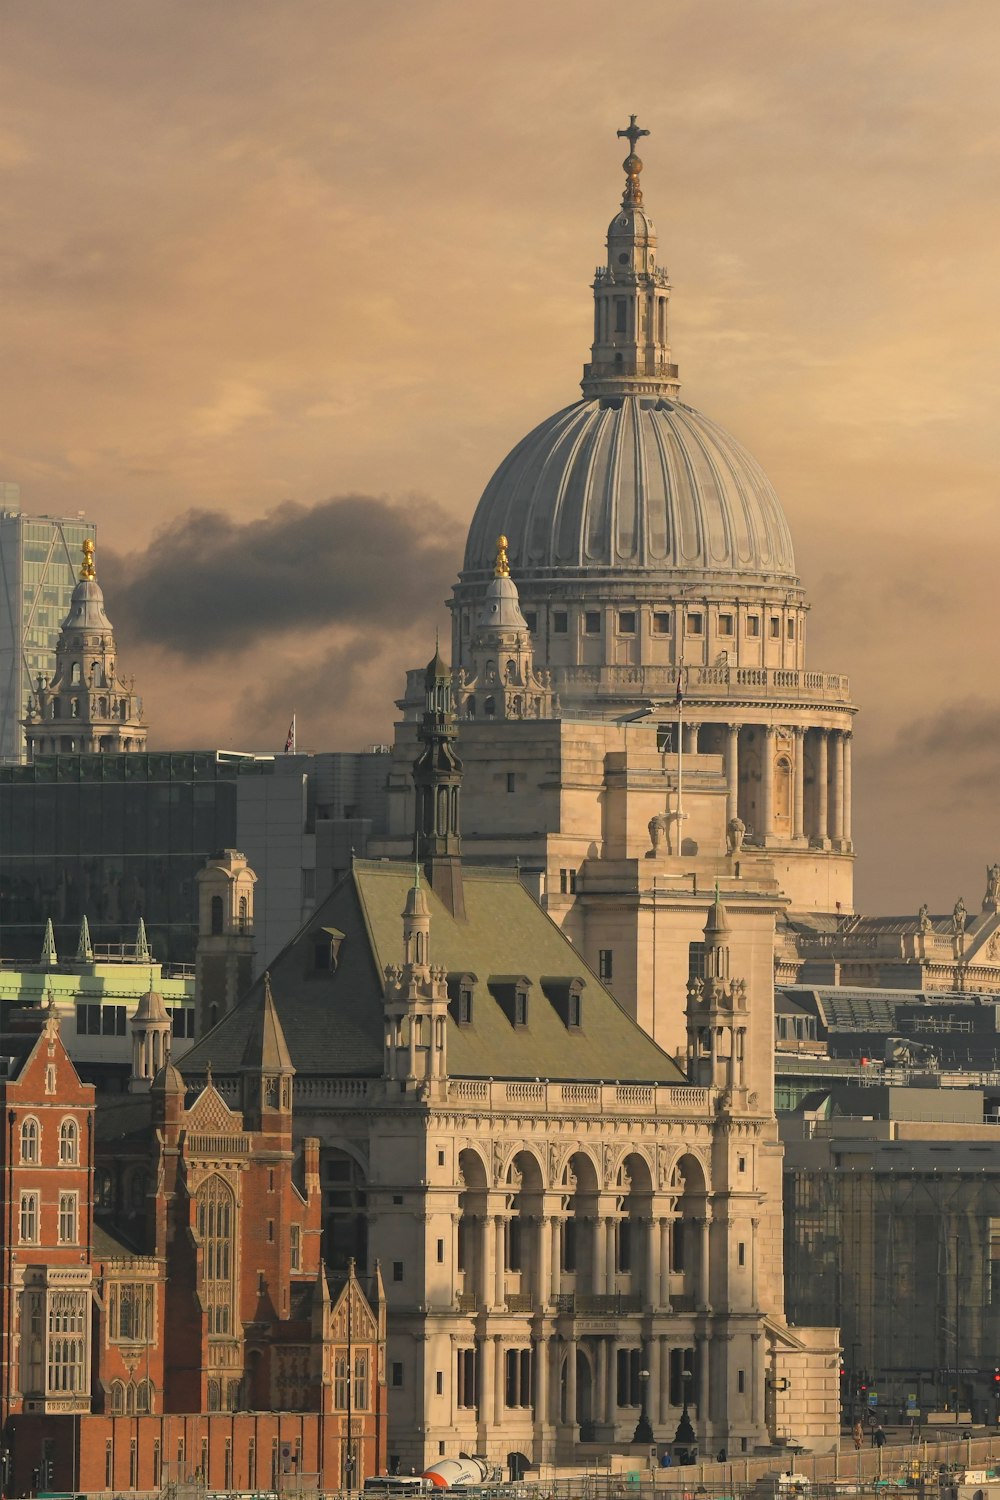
[208,583]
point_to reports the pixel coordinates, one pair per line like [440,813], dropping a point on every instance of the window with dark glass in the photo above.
[725,624]
[695,622]
[661,623]
[560,622]
[626,622]
[592,622]
[605,963]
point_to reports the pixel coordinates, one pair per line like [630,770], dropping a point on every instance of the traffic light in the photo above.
[996,1380]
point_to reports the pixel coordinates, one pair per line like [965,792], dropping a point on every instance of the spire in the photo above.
[142,943]
[437,779]
[49,958]
[630,354]
[266,1050]
[84,947]
[87,572]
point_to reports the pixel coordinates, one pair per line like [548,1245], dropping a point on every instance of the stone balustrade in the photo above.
[712,683]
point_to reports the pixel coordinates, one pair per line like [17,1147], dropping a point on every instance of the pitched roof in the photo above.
[333,1022]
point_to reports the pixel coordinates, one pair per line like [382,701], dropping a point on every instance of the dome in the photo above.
[501,608]
[632,485]
[86,610]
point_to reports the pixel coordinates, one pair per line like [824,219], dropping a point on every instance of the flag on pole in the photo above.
[290,739]
[680,689]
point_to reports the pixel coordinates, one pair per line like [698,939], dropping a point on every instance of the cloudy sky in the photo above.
[281,283]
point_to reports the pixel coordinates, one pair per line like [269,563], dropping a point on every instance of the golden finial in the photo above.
[87,574]
[632,196]
[502,569]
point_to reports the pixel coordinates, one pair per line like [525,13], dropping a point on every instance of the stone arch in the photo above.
[580,1186]
[344,1177]
[635,1208]
[473,1201]
[525,1186]
[690,1191]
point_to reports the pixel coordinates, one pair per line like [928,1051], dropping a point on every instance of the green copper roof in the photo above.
[332,1020]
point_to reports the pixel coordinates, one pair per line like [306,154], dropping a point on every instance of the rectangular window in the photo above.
[464,1006]
[567,882]
[753,624]
[560,622]
[573,1012]
[741,1164]
[605,963]
[466,1377]
[361,1380]
[29,1219]
[775,627]
[397,1270]
[440,1252]
[725,624]
[295,1247]
[626,622]
[741,1381]
[439,1382]
[520,1007]
[109,1465]
[440,1158]
[112,1020]
[592,622]
[67,1218]
[270,1231]
[662,623]
[397,1373]
[741,1253]
[512,781]
[531,620]
[621,313]
[695,622]
[340,1380]
[791,630]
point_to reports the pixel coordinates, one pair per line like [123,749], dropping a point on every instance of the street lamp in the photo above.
[643,1431]
[685,1440]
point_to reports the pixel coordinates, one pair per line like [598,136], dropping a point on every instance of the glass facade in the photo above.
[113,838]
[39,567]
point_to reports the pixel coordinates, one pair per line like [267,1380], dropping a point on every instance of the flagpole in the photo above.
[294,747]
[680,756]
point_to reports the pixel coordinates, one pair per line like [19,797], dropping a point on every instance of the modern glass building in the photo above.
[39,568]
[114,838]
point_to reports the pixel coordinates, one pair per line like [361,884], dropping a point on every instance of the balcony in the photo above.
[597,1304]
[709,684]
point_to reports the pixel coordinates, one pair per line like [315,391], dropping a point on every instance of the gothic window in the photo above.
[68,1143]
[50,1078]
[216,916]
[31,1137]
[67,1218]
[216,1215]
[340,1369]
[361,1380]
[29,1219]
[130,1312]
[214,1396]
[67,1341]
[117,1398]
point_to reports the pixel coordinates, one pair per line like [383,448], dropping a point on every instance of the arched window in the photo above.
[117,1398]
[216,918]
[31,1140]
[68,1143]
[216,1215]
[244,914]
[75,675]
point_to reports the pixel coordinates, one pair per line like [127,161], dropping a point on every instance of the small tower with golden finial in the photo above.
[416,1002]
[86,706]
[503,682]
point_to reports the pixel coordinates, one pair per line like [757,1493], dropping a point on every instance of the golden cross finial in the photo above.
[502,569]
[87,574]
[632,163]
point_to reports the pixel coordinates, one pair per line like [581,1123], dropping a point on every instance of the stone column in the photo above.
[838,787]
[799,770]
[666,1226]
[555,1260]
[756,1379]
[543,1269]
[499,1401]
[600,1261]
[767,783]
[571,1382]
[486,1377]
[540,1357]
[690,732]
[611,1225]
[822,788]
[732,771]
[652,1287]
[704,1260]
[601,1393]
[500,1280]
[487,1273]
[848,737]
[754,1296]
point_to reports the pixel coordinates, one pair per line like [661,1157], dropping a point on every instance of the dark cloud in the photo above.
[208,582]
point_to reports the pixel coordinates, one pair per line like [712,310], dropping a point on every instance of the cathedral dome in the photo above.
[632,484]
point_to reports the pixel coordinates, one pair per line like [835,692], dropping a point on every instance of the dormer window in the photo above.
[565,994]
[461,995]
[327,943]
[511,993]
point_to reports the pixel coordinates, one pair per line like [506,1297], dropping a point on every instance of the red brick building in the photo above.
[165,1311]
